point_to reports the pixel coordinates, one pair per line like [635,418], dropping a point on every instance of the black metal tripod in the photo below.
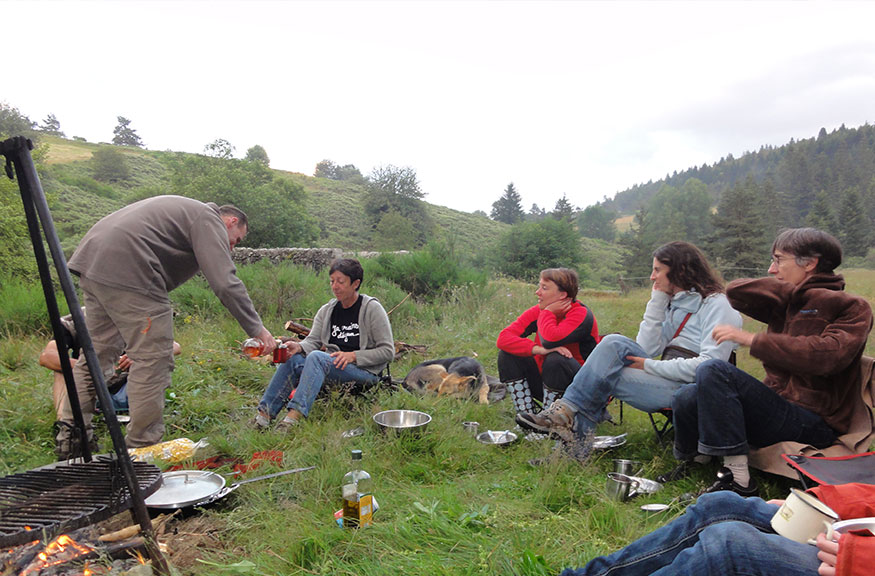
[36,210]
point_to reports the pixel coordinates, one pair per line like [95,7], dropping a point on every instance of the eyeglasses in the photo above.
[776,260]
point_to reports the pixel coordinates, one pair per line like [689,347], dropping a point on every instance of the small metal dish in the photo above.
[497,437]
[608,442]
[646,485]
[654,508]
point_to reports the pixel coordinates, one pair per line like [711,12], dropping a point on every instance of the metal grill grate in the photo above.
[46,502]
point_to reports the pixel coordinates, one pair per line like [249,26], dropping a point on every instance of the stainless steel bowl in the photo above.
[402,421]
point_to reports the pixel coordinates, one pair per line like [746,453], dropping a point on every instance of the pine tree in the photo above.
[855,224]
[508,208]
[124,135]
[563,210]
[822,215]
[739,242]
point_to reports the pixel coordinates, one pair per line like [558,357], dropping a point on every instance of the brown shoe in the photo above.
[291,420]
[557,420]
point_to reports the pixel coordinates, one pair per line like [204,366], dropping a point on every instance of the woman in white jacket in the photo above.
[686,304]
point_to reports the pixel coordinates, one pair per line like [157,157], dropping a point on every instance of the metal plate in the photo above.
[607,442]
[186,487]
[497,437]
[646,486]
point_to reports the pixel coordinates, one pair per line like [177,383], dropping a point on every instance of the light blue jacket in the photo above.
[662,317]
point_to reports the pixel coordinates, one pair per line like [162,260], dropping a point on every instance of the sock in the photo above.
[702,459]
[549,397]
[738,466]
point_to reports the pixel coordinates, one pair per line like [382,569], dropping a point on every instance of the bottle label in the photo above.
[366,510]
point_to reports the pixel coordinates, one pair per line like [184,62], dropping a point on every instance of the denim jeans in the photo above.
[605,374]
[728,410]
[722,534]
[305,375]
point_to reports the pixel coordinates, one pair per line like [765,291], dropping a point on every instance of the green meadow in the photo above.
[448,505]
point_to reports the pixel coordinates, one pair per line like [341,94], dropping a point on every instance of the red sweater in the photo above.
[856,553]
[577,331]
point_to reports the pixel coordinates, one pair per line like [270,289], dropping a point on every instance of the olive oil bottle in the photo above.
[358,508]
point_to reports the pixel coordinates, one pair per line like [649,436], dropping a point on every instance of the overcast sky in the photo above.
[578,98]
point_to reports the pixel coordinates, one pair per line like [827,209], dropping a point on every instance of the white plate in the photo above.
[608,442]
[845,526]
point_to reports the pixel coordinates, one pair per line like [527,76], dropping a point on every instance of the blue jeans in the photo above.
[720,535]
[305,375]
[728,410]
[605,374]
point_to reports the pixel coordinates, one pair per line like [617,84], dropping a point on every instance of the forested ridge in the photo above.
[732,209]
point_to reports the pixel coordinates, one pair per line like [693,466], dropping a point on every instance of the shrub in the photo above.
[527,248]
[428,272]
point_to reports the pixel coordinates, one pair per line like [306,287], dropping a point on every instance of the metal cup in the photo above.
[471,427]
[620,487]
[627,467]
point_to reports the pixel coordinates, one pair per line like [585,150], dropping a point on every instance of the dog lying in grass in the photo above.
[459,377]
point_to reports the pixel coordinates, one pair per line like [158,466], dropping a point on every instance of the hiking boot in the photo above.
[682,470]
[557,420]
[726,481]
[290,421]
[261,420]
[68,443]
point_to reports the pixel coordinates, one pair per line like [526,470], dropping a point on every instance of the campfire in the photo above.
[84,552]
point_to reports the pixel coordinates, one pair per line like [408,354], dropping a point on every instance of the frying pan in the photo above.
[193,488]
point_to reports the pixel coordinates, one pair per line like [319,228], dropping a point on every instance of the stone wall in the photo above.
[316,258]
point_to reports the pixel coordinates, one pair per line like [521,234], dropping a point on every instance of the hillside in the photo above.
[831,162]
[78,200]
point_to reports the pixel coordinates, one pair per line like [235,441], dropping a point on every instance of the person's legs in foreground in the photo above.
[520,375]
[728,411]
[573,418]
[318,367]
[722,534]
[276,396]
[108,345]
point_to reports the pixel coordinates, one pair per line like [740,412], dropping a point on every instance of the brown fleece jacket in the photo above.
[815,338]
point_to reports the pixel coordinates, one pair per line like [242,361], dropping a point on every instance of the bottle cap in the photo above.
[356,454]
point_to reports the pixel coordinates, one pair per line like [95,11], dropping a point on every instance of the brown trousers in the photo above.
[142,327]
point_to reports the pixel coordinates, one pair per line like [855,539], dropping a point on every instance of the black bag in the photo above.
[672,352]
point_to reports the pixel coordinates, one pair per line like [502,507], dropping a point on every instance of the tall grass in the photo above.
[448,505]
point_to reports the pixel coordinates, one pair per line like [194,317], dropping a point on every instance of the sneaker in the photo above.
[291,420]
[262,420]
[557,420]
[682,470]
[725,481]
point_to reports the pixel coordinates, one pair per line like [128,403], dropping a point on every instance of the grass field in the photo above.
[448,505]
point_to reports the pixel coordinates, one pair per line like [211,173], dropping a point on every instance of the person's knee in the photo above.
[725,540]
[709,369]
[684,399]
[716,504]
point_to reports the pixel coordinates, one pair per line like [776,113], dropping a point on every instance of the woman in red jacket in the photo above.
[538,370]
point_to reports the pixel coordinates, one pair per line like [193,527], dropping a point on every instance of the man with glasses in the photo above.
[811,351]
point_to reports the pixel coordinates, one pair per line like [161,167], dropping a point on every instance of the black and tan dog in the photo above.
[460,377]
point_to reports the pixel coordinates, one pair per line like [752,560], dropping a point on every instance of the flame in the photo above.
[54,554]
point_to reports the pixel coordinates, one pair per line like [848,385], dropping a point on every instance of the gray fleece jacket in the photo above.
[377,346]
